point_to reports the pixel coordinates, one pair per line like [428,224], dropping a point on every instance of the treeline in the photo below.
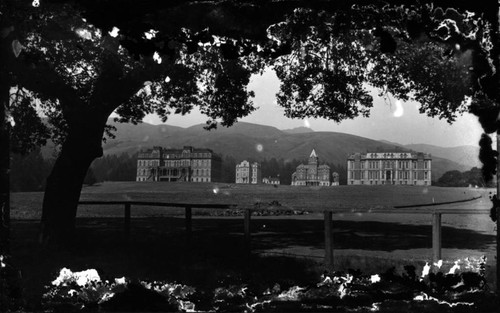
[455,178]
[29,172]
[121,167]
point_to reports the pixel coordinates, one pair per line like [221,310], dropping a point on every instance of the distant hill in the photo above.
[298,130]
[391,143]
[466,155]
[241,140]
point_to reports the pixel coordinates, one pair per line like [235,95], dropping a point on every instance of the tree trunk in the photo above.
[64,184]
[4,169]
[6,58]
[496,63]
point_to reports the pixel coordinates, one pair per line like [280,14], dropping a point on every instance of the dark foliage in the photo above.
[455,178]
[494,209]
[486,111]
[11,290]
[488,157]
[387,43]
[136,298]
[114,168]
[29,132]
[228,169]
[29,171]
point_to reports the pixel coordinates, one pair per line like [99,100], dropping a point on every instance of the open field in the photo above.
[313,200]
[27,205]
[286,249]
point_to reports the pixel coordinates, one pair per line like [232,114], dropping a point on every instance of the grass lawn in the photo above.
[28,205]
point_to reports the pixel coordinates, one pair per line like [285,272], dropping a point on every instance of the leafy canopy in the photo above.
[326,60]
[421,54]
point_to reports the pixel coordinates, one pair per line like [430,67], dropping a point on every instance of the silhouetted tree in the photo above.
[202,54]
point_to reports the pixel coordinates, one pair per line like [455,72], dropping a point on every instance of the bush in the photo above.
[428,290]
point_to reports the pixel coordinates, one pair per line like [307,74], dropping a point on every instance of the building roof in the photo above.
[390,155]
[154,153]
[313,154]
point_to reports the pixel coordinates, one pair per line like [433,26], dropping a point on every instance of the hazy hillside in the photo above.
[242,141]
[466,155]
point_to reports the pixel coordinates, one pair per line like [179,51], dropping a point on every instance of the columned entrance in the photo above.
[388,177]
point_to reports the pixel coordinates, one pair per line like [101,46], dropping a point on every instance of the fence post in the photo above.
[436,236]
[246,227]
[498,240]
[328,239]
[127,220]
[188,223]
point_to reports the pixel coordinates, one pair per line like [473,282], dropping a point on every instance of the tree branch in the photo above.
[41,78]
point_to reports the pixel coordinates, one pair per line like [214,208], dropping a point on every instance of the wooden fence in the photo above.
[328,219]
[436,226]
[187,209]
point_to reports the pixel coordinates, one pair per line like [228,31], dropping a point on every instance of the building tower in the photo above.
[311,174]
[313,158]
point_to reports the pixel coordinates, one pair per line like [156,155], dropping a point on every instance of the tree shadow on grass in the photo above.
[365,235]
[157,250]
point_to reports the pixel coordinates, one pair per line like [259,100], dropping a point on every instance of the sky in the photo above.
[391,121]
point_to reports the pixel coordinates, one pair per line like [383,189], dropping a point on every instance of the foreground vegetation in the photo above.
[412,291]
[215,257]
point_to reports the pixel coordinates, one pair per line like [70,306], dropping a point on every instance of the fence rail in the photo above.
[187,209]
[328,219]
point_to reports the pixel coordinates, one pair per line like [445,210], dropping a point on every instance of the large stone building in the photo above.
[311,174]
[248,173]
[389,168]
[188,165]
